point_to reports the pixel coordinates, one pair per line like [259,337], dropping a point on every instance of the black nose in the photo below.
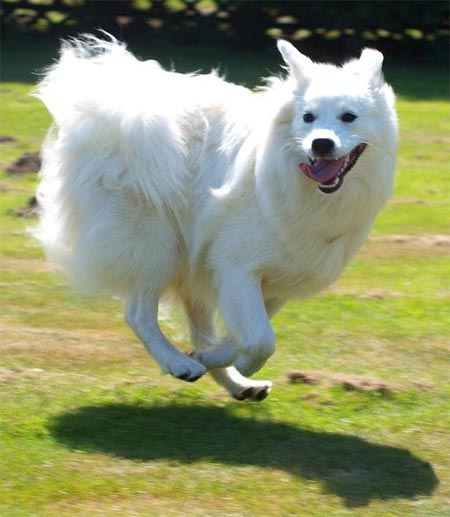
[322,146]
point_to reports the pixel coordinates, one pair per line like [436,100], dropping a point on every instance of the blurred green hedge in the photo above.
[417,29]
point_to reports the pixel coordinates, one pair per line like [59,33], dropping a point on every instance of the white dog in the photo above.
[155,181]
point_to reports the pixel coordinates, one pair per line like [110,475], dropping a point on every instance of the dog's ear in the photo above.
[370,65]
[297,62]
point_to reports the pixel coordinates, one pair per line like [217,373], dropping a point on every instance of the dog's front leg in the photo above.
[245,317]
[142,317]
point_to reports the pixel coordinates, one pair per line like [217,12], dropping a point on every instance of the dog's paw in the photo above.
[256,392]
[188,370]
[188,377]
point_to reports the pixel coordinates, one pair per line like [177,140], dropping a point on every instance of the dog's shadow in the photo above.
[354,469]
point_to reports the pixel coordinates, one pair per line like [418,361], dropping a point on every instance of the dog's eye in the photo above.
[348,117]
[308,118]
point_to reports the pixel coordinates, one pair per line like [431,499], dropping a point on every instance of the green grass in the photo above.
[88,426]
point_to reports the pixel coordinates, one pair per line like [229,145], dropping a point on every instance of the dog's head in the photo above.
[340,112]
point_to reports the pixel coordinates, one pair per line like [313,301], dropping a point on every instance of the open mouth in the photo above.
[330,174]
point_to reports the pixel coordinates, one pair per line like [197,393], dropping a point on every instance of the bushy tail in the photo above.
[108,105]
[115,145]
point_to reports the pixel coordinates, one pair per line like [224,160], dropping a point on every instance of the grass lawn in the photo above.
[88,426]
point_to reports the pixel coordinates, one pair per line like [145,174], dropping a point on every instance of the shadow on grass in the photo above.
[354,469]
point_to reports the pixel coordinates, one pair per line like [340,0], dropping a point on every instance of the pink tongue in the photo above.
[322,170]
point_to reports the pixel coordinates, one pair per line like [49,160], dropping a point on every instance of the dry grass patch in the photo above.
[402,245]
[24,266]
[47,346]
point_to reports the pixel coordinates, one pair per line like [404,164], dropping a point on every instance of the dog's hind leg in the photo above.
[241,387]
[246,318]
[203,334]
[208,348]
[142,317]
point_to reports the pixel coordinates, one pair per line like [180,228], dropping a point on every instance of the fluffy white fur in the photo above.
[155,181]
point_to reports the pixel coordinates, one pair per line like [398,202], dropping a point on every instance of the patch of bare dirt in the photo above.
[28,162]
[30,211]
[352,382]
[4,139]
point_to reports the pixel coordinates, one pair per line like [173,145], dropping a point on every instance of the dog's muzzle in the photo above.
[330,174]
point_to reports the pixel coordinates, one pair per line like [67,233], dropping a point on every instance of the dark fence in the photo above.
[418,29]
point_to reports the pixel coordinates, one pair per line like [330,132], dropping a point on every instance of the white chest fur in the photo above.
[313,243]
